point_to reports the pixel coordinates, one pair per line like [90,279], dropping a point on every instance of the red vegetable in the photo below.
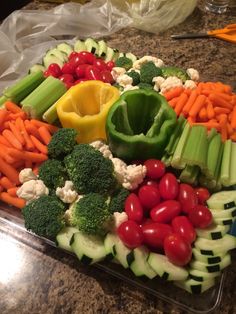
[130,234]
[92,73]
[168,186]
[187,197]
[133,208]
[149,196]
[155,233]
[155,168]
[183,226]
[202,195]
[200,216]
[165,211]
[88,56]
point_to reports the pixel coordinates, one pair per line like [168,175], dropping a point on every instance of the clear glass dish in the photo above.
[207,302]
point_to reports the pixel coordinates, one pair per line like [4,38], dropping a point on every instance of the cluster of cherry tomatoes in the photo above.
[163,214]
[81,66]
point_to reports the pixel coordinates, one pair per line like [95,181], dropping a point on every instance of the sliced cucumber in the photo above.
[109,54]
[37,67]
[49,59]
[57,53]
[79,46]
[64,237]
[102,48]
[121,54]
[215,247]
[194,286]
[165,269]
[109,243]
[124,255]
[91,46]
[222,200]
[199,275]
[224,221]
[228,214]
[207,259]
[213,232]
[89,249]
[140,266]
[131,56]
[66,48]
[213,267]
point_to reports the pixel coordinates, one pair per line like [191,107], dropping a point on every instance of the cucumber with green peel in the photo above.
[213,232]
[131,56]
[199,275]
[123,254]
[211,268]
[140,266]
[37,67]
[222,200]
[79,46]
[207,259]
[228,214]
[109,243]
[224,221]
[64,237]
[102,49]
[57,53]
[196,287]
[65,48]
[91,46]
[49,59]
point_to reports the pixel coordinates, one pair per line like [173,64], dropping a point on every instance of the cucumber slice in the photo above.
[91,46]
[64,237]
[195,287]
[123,254]
[222,200]
[224,221]
[37,67]
[215,247]
[207,259]
[109,54]
[102,49]
[79,46]
[140,266]
[199,275]
[228,214]
[89,249]
[57,53]
[131,56]
[66,48]
[213,232]
[49,59]
[109,243]
[165,269]
[213,267]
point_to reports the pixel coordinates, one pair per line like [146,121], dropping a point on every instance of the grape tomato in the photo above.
[68,68]
[110,65]
[168,186]
[106,76]
[149,196]
[155,233]
[133,208]
[92,73]
[100,64]
[202,195]
[165,211]
[187,197]
[183,226]
[80,70]
[130,234]
[55,69]
[200,216]
[89,57]
[155,168]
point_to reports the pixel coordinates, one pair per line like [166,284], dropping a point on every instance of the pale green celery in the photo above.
[50,115]
[43,97]
[206,182]
[195,150]
[211,134]
[214,156]
[190,174]
[177,161]
[166,159]
[175,136]
[232,179]
[3,99]
[157,123]
[226,163]
[24,87]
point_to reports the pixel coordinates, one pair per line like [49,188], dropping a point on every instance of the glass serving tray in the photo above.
[207,302]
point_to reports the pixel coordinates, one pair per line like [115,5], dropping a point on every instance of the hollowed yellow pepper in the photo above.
[84,107]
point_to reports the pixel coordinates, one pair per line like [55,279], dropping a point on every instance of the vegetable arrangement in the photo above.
[127,178]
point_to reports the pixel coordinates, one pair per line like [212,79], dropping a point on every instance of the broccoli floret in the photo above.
[91,214]
[89,170]
[53,173]
[44,216]
[62,143]
[124,62]
[135,76]
[145,86]
[175,71]
[117,202]
[148,71]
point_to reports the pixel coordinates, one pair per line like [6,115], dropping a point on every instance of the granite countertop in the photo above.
[50,281]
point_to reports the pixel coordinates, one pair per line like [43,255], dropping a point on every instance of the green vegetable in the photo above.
[189,174]
[89,170]
[135,77]
[214,156]
[139,124]
[145,86]
[50,115]
[3,99]
[43,97]
[62,143]
[91,214]
[148,71]
[124,62]
[228,165]
[44,216]
[174,71]
[117,202]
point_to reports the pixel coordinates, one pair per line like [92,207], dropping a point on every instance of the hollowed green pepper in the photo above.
[139,125]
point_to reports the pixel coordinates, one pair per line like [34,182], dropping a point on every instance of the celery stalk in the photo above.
[208,183]
[166,159]
[211,134]
[189,174]
[3,99]
[226,163]
[232,179]
[214,156]
[50,115]
[175,136]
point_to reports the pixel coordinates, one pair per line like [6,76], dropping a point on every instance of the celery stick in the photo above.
[189,174]
[166,159]
[226,163]
[211,134]
[214,156]
[24,86]
[3,99]
[208,183]
[43,97]
[232,179]
[177,161]
[175,136]
[50,115]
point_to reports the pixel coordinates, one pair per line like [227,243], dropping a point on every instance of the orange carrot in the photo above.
[173,102]
[12,107]
[32,129]
[45,135]
[10,172]
[12,191]
[14,116]
[209,124]
[39,145]
[197,105]
[6,183]
[181,103]
[36,169]
[172,93]
[210,110]
[203,114]
[190,102]
[220,110]
[12,139]
[4,153]
[4,141]
[50,127]
[12,200]
[24,155]
[28,143]
[28,164]
[230,130]
[223,126]
[3,115]
[233,137]
[219,102]
[17,133]
[233,118]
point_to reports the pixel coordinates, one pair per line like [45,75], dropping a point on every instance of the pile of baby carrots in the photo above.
[212,104]
[23,144]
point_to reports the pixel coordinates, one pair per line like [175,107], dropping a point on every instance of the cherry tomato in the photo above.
[183,226]
[110,65]
[149,196]
[150,182]
[200,216]
[55,68]
[72,55]
[165,211]
[155,168]
[80,70]
[187,197]
[77,60]
[68,68]
[155,233]
[88,56]
[47,73]
[67,78]
[92,73]
[133,208]
[107,77]
[100,64]
[202,195]
[130,234]
[79,81]
[168,186]
[177,249]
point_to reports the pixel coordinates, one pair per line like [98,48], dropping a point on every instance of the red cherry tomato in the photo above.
[67,78]
[107,77]
[177,249]
[150,182]
[130,234]
[55,68]
[183,226]
[110,65]
[92,73]
[200,216]
[77,60]
[68,68]
[47,73]
[155,168]
[187,197]
[202,195]
[88,56]
[165,211]
[168,186]
[149,196]
[80,70]
[155,233]
[72,55]
[100,64]
[133,208]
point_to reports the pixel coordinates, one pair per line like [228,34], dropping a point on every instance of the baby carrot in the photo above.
[203,114]
[197,105]
[173,102]
[12,200]
[233,118]
[10,137]
[4,141]
[10,172]
[190,102]
[17,133]
[223,126]
[172,93]
[45,134]
[39,145]
[3,115]
[6,183]
[28,143]
[181,103]
[12,191]
[220,110]
[50,127]
[219,102]
[24,155]
[210,110]
[32,129]
[11,106]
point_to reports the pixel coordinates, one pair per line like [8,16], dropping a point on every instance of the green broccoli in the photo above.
[124,62]
[53,173]
[175,71]
[62,143]
[91,214]
[148,71]
[135,76]
[145,86]
[117,202]
[89,170]
[44,216]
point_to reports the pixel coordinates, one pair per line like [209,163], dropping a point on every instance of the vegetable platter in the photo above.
[123,161]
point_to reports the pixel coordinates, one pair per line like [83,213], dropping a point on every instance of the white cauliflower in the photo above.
[27,174]
[119,169]
[158,80]
[129,87]
[102,147]
[124,80]
[138,63]
[67,194]
[134,175]
[170,82]
[193,74]
[119,218]
[116,72]
[32,189]
[190,84]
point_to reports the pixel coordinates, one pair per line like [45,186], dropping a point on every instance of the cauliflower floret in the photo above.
[138,63]
[32,189]
[27,175]
[158,80]
[134,175]
[119,218]
[190,84]
[119,169]
[193,74]
[124,80]
[129,87]
[116,72]
[103,148]
[67,193]
[170,82]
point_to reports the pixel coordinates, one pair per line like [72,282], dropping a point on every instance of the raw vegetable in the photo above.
[131,234]
[148,71]
[124,62]
[174,71]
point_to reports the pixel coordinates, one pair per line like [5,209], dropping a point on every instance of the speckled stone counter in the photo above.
[49,281]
